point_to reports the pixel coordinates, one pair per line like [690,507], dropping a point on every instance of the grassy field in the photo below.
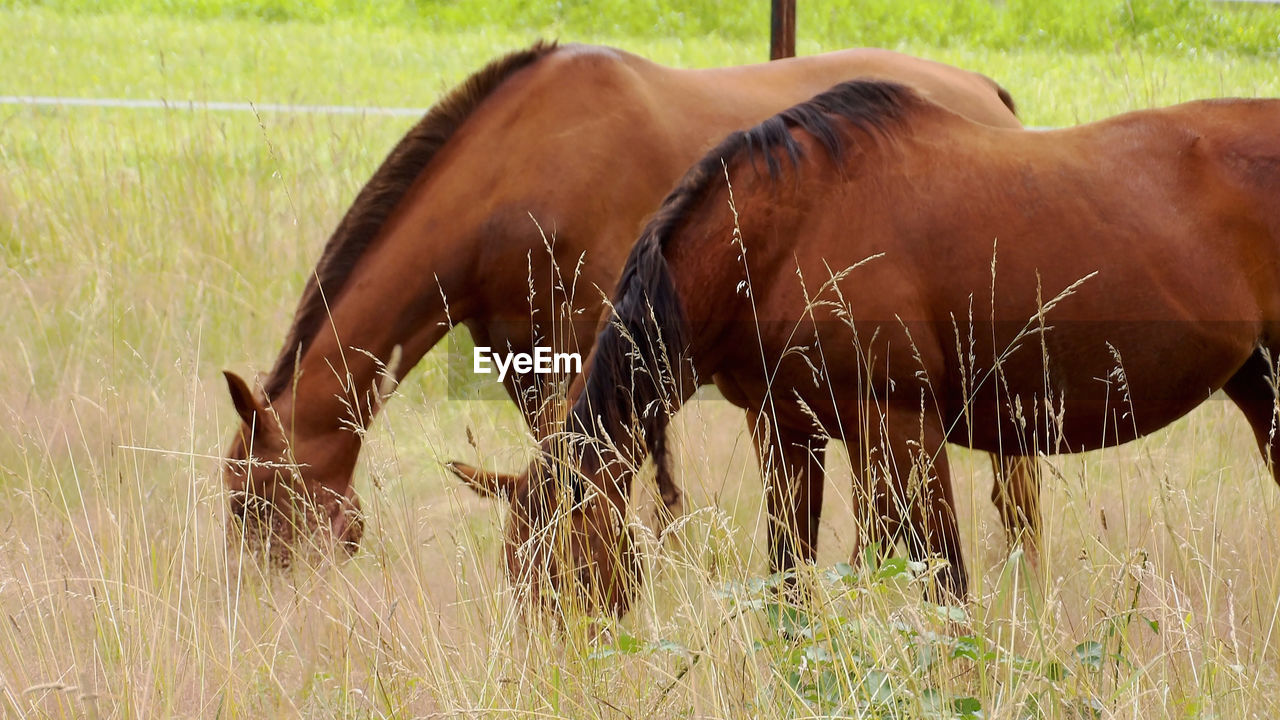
[144,251]
[1078,25]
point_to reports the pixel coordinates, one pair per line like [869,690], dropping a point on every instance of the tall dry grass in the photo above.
[143,253]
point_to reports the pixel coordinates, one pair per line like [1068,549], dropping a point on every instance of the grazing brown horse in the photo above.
[547,159]
[883,271]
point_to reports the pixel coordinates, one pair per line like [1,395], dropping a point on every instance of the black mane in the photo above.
[639,355]
[379,197]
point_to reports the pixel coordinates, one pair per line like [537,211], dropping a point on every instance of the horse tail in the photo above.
[634,381]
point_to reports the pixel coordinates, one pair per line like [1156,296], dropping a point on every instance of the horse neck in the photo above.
[401,298]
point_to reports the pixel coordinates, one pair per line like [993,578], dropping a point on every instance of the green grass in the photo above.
[148,56]
[143,251]
[1080,25]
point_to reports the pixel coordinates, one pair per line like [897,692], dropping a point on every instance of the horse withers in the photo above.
[871,267]
[547,159]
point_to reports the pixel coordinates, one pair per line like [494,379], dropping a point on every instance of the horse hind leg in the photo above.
[1253,390]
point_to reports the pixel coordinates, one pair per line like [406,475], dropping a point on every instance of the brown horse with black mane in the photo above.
[900,277]
[547,158]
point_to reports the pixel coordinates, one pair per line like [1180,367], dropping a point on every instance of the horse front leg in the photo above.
[904,482]
[791,464]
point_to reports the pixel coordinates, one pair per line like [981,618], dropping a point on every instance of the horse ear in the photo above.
[484,482]
[247,405]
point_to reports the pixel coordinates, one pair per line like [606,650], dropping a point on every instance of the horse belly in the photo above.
[1095,384]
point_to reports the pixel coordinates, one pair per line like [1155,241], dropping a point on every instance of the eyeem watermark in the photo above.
[541,362]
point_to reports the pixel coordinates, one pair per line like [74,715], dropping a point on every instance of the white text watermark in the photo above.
[542,361]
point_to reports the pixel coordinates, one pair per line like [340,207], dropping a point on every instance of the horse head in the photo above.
[567,545]
[280,504]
